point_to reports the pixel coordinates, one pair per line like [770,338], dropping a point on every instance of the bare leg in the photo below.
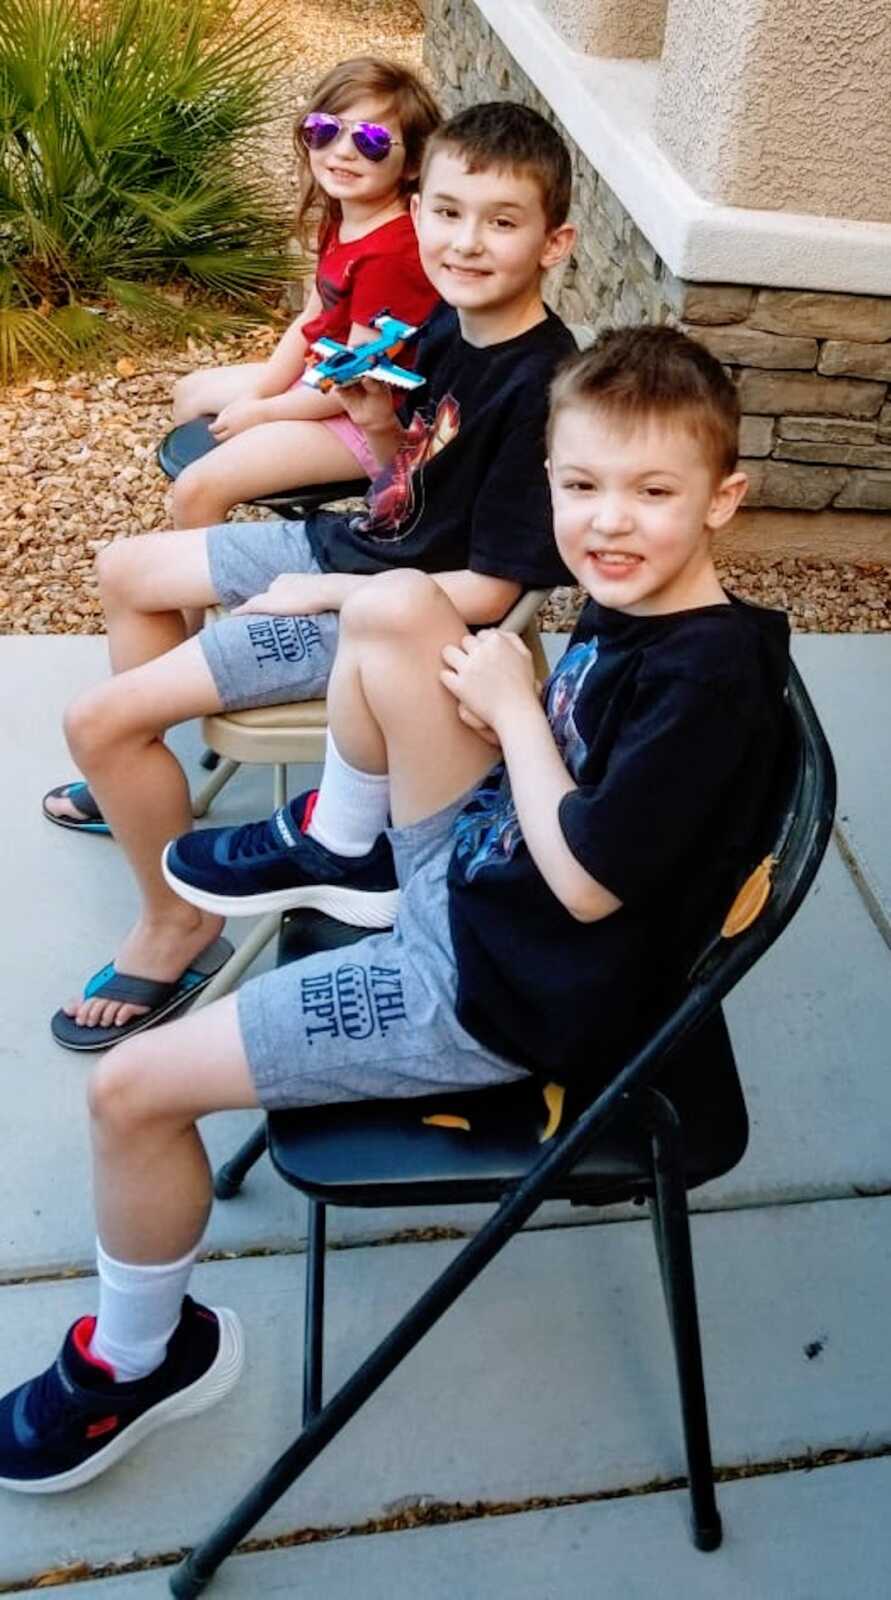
[387,709]
[115,735]
[264,460]
[386,705]
[208,390]
[151,1176]
[145,582]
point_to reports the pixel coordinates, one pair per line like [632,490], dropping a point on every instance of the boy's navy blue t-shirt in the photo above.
[468,487]
[670,727]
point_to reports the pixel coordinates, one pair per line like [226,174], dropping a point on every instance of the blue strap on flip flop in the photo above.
[81,796]
[162,999]
[109,984]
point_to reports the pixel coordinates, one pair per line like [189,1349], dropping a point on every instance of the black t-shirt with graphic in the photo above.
[467,487]
[669,726]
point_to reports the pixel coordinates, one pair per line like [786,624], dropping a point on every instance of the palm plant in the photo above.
[119,123]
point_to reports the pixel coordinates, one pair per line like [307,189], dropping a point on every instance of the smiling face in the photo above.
[348,176]
[484,238]
[634,510]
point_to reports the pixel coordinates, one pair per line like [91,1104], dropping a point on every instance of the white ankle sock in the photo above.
[352,808]
[139,1310]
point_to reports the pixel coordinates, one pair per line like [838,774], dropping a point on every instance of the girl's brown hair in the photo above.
[412,103]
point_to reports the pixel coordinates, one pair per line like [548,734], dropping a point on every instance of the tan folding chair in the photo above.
[295,733]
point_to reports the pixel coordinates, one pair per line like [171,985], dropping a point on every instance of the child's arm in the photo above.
[274,400]
[369,404]
[492,679]
[297,594]
[479,599]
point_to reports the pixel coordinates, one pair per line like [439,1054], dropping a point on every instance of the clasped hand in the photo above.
[488,673]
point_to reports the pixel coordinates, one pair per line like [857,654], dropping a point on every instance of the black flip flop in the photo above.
[80,795]
[162,998]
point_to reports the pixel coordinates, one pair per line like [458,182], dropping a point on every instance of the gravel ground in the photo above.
[819,596]
[77,456]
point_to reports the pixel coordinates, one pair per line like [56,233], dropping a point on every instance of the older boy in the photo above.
[546,908]
[462,494]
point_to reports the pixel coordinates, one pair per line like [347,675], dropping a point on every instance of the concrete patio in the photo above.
[552,1378]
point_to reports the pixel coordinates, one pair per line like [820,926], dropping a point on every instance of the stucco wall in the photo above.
[617,28]
[813,370]
[781,104]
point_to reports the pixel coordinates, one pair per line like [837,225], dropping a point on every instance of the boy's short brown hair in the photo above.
[633,375]
[509,137]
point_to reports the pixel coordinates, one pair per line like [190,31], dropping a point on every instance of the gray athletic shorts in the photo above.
[375,1020]
[264,661]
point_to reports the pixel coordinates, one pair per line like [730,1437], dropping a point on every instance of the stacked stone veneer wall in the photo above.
[813,369]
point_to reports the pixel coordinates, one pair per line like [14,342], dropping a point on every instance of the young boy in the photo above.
[462,494]
[546,906]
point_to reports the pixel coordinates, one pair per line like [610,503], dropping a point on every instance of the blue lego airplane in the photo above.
[342,363]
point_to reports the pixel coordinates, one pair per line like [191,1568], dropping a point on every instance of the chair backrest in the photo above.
[795,833]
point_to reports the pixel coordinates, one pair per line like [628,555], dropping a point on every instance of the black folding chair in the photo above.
[670,1119]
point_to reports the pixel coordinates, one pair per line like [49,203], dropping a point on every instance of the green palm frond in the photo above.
[118,123]
[27,339]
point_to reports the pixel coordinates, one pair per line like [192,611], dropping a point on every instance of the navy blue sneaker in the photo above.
[275,866]
[72,1422]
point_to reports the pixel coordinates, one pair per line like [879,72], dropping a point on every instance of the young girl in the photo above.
[359,145]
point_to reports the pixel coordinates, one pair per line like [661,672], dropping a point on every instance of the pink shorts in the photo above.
[355,441]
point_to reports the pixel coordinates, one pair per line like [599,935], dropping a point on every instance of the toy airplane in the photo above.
[340,364]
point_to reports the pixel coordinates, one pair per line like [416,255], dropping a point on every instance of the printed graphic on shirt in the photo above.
[395,499]
[490,834]
[561,697]
[277,639]
[352,1002]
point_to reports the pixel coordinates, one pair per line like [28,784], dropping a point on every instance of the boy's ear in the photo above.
[725,500]
[557,245]
[414,206]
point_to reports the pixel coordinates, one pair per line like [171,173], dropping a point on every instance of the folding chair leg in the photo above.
[671,1225]
[192,1577]
[229,974]
[314,1317]
[279,785]
[202,800]
[229,1178]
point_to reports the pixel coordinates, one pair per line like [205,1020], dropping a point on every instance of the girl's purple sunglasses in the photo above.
[372,139]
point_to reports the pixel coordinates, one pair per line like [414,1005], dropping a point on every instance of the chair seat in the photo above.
[292,714]
[380,1152]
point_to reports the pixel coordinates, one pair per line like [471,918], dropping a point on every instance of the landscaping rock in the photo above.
[777,392]
[867,490]
[849,455]
[709,302]
[773,483]
[750,347]
[755,436]
[840,430]
[825,316]
[859,360]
